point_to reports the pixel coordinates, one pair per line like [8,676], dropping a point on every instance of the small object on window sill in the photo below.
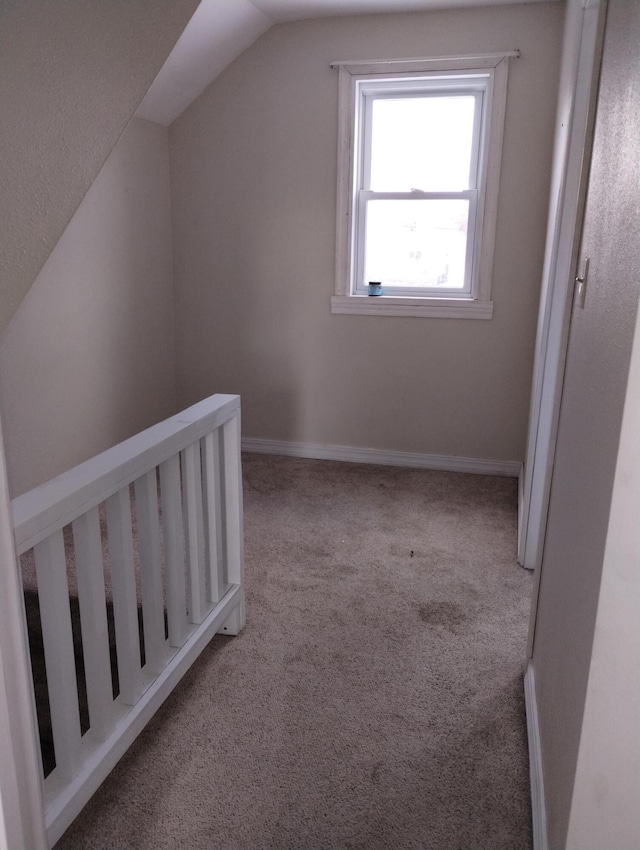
[375,287]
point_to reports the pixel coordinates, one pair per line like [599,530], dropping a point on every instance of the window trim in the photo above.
[478,305]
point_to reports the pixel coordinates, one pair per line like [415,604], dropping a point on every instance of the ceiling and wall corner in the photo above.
[88,358]
[68,108]
[290,10]
[71,77]
[220,30]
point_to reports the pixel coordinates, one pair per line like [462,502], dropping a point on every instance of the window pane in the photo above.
[419,243]
[421,143]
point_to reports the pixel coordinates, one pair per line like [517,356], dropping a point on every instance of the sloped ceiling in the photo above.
[221,30]
[71,77]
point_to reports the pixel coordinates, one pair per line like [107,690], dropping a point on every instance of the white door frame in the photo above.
[582,49]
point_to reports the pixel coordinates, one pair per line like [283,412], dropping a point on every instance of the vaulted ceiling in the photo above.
[71,76]
[221,30]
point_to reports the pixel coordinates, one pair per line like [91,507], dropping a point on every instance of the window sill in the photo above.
[385,305]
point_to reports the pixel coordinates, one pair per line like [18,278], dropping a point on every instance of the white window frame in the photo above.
[486,74]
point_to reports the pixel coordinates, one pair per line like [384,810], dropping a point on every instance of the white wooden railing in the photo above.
[171,501]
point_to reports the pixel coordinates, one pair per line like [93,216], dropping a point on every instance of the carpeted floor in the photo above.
[374,701]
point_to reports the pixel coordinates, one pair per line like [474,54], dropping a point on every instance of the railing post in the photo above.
[21,799]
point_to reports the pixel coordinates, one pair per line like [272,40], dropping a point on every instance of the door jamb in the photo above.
[584,30]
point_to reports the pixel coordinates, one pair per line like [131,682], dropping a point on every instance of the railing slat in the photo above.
[233,536]
[213,517]
[146,490]
[125,605]
[57,636]
[174,550]
[233,500]
[194,530]
[93,621]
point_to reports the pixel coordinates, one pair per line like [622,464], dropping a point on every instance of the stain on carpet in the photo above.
[448,614]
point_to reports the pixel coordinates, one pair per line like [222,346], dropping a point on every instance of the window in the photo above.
[419,161]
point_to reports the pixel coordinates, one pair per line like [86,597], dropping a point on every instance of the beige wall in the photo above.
[581,608]
[253,176]
[88,359]
[71,76]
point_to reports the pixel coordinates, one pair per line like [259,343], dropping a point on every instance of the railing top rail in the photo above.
[45,509]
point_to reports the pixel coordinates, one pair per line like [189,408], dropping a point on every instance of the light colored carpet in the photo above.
[374,701]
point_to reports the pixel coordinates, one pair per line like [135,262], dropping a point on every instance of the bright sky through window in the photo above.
[421,143]
[419,243]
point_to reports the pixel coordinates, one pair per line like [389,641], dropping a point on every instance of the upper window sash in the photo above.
[366,93]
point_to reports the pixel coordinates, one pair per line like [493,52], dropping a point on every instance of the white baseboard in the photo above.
[538,809]
[352,454]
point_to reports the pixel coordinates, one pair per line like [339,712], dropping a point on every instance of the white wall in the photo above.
[71,77]
[88,359]
[254,178]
